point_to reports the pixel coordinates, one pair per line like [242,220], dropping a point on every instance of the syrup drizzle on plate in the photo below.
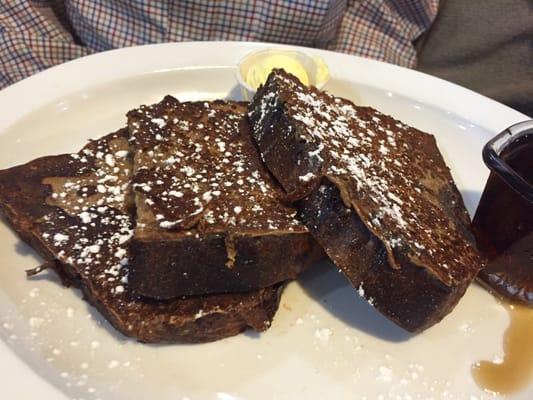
[515,372]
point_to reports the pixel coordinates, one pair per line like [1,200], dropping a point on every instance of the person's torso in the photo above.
[102,24]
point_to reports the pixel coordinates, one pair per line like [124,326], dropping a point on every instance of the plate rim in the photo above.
[60,80]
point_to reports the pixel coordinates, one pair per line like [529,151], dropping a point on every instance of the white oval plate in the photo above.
[325,342]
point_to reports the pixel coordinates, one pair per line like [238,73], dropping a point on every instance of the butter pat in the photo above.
[254,68]
[259,71]
[322,72]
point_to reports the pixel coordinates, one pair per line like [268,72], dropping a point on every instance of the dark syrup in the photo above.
[503,226]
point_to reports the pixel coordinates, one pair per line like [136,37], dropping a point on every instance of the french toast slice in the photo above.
[209,216]
[375,193]
[76,212]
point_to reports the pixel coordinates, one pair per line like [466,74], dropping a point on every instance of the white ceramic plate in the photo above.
[325,343]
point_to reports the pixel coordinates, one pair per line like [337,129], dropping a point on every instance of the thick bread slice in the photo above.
[375,193]
[209,218]
[75,211]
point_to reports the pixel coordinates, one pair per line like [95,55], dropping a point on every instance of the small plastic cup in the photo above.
[315,68]
[503,223]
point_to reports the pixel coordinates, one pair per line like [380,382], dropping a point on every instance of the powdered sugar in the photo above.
[60,239]
[96,244]
[387,167]
[307,177]
[209,176]
[160,122]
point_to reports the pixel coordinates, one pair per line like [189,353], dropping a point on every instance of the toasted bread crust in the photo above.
[30,207]
[209,216]
[195,265]
[412,297]
[375,193]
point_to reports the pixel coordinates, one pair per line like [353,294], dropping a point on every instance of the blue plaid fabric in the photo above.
[385,30]
[37,34]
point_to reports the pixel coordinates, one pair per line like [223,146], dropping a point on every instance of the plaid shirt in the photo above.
[37,34]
